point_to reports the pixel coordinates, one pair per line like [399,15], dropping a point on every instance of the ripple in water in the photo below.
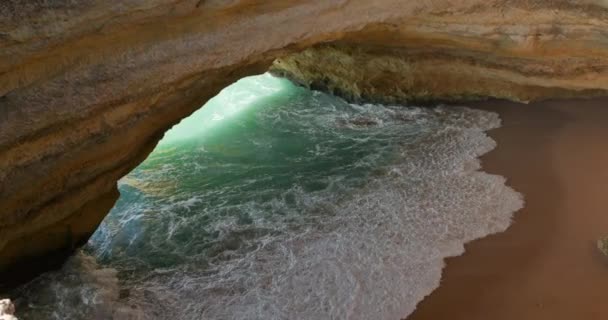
[275,202]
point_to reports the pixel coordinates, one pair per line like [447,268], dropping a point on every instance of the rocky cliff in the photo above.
[88,87]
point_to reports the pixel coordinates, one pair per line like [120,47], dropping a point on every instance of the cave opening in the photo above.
[284,202]
[273,199]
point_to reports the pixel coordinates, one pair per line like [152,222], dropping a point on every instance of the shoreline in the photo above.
[546,265]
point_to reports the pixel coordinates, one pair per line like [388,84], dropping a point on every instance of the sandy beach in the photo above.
[546,265]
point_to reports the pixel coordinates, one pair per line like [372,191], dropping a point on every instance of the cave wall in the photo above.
[88,87]
[511,53]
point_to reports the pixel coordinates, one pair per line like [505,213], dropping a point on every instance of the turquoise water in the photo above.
[277,202]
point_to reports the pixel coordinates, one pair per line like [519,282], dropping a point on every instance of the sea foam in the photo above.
[311,208]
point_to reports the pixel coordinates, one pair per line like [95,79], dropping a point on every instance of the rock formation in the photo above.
[7,310]
[88,87]
[602,245]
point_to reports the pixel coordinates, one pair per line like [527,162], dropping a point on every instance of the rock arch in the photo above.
[88,87]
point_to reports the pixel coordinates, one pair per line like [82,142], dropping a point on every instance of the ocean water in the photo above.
[277,202]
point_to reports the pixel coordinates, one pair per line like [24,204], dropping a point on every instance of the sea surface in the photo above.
[277,202]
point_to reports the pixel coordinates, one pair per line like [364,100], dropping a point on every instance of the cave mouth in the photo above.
[274,200]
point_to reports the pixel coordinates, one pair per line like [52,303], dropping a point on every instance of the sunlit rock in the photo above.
[7,310]
[602,245]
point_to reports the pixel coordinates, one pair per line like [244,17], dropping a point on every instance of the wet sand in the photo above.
[546,265]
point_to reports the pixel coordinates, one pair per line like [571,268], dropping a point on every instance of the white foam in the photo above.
[80,290]
[375,257]
[370,253]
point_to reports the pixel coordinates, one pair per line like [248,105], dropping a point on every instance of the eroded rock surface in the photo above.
[602,245]
[510,52]
[88,87]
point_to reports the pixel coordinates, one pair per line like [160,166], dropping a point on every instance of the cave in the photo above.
[89,88]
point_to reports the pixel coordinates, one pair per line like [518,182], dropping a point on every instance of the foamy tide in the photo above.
[309,208]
